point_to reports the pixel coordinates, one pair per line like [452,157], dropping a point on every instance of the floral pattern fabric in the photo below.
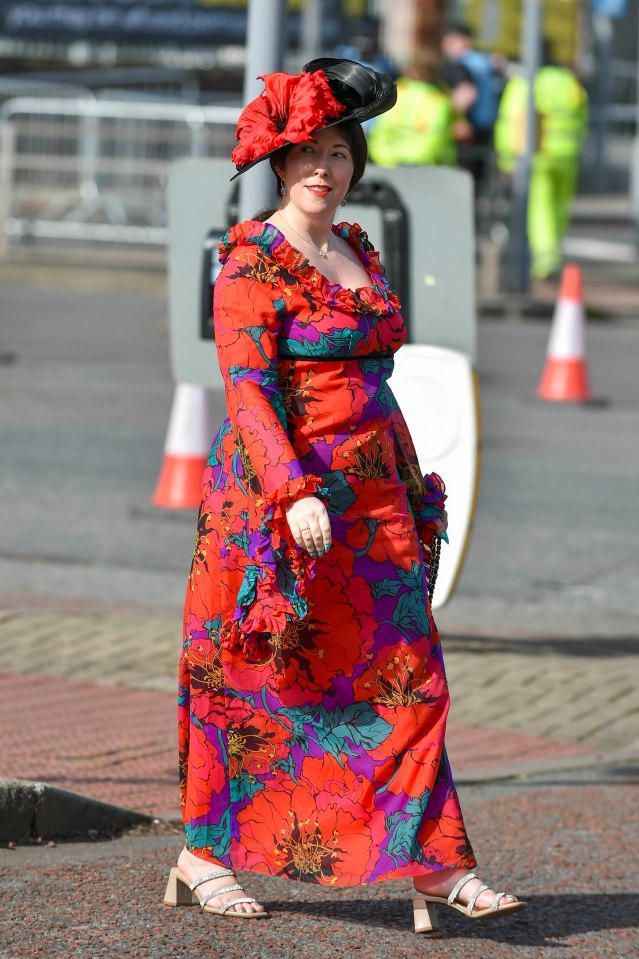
[313,698]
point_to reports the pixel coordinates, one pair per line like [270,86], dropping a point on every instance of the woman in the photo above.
[313,699]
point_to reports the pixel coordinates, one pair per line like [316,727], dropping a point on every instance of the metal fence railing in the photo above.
[607,154]
[171,83]
[76,166]
[12,87]
[86,169]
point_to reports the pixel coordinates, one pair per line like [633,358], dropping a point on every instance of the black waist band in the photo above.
[336,359]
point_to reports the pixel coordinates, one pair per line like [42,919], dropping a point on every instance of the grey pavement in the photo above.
[84,411]
[559,842]
[541,635]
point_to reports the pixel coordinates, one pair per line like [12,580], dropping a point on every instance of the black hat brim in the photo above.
[365,93]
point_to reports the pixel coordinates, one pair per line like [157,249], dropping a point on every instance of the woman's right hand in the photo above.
[310,525]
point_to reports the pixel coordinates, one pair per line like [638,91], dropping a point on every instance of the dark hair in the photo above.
[356,137]
[456,26]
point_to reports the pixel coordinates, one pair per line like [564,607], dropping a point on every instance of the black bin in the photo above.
[368,192]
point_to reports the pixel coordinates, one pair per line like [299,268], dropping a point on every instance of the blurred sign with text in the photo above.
[194,22]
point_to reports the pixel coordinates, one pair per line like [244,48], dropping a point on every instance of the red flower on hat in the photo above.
[288,110]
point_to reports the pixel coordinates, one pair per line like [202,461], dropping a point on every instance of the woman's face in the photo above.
[317,174]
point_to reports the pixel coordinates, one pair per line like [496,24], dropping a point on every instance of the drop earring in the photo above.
[282,189]
[345,200]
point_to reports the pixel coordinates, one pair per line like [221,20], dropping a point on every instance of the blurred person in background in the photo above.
[419,130]
[475,81]
[368,55]
[561,104]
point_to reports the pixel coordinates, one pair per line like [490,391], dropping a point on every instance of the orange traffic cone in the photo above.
[565,375]
[186,450]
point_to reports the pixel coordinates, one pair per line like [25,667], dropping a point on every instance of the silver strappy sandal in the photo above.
[181,892]
[425,906]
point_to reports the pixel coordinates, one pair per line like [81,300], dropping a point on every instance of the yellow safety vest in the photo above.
[562,107]
[417,131]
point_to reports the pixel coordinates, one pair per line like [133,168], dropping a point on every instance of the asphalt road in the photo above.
[84,405]
[559,842]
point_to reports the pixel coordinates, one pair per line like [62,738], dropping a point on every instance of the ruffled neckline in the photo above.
[377,298]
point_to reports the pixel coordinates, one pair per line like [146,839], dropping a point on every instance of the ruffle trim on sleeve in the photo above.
[276,578]
[247,233]
[427,507]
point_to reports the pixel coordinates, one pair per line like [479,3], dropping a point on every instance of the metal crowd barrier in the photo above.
[607,154]
[12,87]
[88,169]
[94,170]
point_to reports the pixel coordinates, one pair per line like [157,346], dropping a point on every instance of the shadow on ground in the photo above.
[546,919]
[599,647]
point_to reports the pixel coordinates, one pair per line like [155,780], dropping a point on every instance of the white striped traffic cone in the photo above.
[186,450]
[565,375]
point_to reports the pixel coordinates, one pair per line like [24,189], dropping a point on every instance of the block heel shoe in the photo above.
[425,915]
[181,892]
[425,906]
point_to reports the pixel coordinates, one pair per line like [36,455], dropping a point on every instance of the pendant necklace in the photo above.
[322,250]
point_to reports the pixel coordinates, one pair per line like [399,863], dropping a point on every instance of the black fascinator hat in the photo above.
[364,92]
[291,107]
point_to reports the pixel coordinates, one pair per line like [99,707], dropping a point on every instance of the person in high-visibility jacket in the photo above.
[419,130]
[561,104]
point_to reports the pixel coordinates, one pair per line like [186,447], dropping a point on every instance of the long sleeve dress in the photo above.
[313,699]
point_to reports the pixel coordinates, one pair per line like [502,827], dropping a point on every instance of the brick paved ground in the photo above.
[119,744]
[543,687]
[105,718]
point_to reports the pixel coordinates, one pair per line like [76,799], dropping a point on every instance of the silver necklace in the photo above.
[322,250]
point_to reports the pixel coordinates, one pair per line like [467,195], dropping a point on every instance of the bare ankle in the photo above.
[190,857]
[434,878]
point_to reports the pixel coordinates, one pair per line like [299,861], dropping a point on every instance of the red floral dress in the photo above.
[313,698]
